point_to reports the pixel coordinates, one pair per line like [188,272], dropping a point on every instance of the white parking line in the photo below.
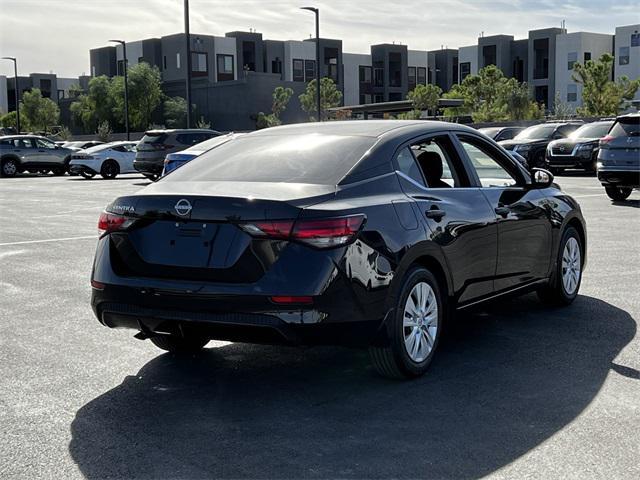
[26,242]
[588,195]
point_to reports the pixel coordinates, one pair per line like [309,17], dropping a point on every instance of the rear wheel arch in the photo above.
[577,224]
[427,256]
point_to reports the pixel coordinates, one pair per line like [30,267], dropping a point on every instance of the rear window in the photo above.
[192,138]
[311,158]
[154,137]
[626,127]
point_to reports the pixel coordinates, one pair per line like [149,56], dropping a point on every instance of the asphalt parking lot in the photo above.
[518,390]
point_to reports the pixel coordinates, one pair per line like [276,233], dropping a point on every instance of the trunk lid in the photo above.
[193,235]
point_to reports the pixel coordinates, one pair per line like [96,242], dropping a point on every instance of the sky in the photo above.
[56,35]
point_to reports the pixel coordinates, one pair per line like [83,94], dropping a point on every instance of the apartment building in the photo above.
[627,53]
[53,87]
[572,48]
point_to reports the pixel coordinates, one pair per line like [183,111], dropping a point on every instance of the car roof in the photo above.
[181,130]
[365,128]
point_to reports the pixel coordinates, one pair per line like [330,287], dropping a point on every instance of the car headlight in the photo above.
[586,146]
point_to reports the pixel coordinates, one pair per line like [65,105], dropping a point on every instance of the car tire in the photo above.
[110,169]
[413,330]
[87,175]
[9,167]
[565,283]
[618,193]
[177,344]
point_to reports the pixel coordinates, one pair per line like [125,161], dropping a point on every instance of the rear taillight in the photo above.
[606,139]
[319,233]
[110,222]
[291,300]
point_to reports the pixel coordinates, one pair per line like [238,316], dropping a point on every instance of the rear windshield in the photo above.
[490,132]
[311,158]
[150,137]
[627,127]
[592,130]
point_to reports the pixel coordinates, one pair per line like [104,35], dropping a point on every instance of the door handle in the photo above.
[502,211]
[435,213]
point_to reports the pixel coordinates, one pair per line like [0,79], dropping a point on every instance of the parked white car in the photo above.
[109,160]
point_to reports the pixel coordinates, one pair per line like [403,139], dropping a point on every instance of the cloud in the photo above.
[56,35]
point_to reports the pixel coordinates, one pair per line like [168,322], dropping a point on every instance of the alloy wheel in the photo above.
[9,168]
[571,265]
[420,322]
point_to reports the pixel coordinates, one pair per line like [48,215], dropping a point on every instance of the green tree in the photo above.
[103,132]
[489,97]
[9,120]
[561,110]
[281,97]
[39,112]
[96,106]
[424,97]
[175,112]
[330,97]
[145,95]
[600,95]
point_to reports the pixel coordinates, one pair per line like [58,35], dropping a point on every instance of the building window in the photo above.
[364,73]
[378,98]
[164,62]
[587,56]
[309,70]
[465,70]
[489,55]
[540,58]
[365,98]
[378,77]
[276,66]
[395,69]
[199,64]
[93,70]
[422,76]
[120,68]
[60,94]
[225,67]
[635,39]
[331,61]
[623,56]
[249,56]
[572,92]
[455,70]
[178,60]
[298,70]
[412,77]
[572,58]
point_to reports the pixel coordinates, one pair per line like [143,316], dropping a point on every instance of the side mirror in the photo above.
[541,178]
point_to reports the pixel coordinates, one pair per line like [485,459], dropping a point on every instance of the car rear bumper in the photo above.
[77,169]
[619,176]
[153,167]
[242,319]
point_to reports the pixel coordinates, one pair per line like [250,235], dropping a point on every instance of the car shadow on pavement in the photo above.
[508,378]
[627,203]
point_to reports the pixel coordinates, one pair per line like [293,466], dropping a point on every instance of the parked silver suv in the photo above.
[619,157]
[32,153]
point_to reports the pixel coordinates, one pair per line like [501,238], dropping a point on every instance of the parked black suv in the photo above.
[156,144]
[532,142]
[579,150]
[501,133]
[619,157]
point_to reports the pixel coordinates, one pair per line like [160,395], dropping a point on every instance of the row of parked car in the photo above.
[610,147]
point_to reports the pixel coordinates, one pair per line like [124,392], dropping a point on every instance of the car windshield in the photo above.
[490,132]
[592,130]
[537,131]
[311,158]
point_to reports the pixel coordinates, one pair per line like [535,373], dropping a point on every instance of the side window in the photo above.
[119,148]
[23,143]
[489,170]
[567,129]
[439,163]
[41,143]
[407,165]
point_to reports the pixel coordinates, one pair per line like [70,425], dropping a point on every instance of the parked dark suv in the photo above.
[501,133]
[156,144]
[579,150]
[619,157]
[532,142]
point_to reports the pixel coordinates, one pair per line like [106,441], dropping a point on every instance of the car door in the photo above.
[455,215]
[46,152]
[127,157]
[524,230]
[25,148]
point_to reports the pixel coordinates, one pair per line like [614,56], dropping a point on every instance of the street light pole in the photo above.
[188,76]
[126,86]
[319,103]
[16,90]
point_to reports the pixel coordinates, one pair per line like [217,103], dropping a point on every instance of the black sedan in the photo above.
[578,150]
[367,233]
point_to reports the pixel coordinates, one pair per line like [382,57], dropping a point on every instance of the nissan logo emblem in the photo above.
[562,148]
[183,207]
